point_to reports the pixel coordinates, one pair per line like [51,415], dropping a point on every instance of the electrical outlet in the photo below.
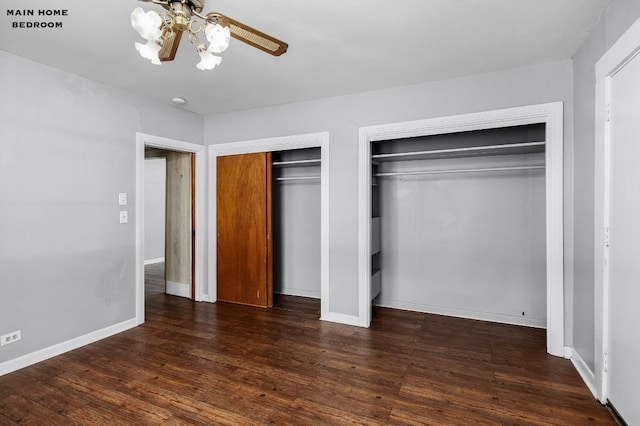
[14,336]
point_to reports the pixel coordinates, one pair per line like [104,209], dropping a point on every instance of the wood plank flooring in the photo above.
[204,364]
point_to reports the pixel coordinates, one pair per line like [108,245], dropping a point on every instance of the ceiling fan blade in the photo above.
[170,46]
[251,36]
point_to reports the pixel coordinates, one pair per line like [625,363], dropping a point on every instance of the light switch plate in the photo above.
[122,199]
[124,216]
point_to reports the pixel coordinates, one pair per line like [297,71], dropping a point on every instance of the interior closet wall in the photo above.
[468,244]
[296,222]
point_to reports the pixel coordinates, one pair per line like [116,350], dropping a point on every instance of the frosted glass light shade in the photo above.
[146,24]
[218,37]
[149,51]
[208,60]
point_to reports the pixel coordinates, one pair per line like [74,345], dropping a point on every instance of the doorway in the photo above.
[155,171]
[197,215]
[169,225]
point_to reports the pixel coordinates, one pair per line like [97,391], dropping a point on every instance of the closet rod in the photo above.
[296,162]
[486,169]
[298,178]
[460,150]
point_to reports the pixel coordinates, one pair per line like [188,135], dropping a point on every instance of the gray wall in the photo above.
[468,244]
[154,207]
[343,116]
[616,20]
[296,225]
[67,149]
[296,236]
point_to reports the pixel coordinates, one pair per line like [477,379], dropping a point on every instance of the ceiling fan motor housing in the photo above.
[182,15]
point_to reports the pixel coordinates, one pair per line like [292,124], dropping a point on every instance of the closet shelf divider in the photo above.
[297,178]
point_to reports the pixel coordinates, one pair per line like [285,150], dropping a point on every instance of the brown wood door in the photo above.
[245,272]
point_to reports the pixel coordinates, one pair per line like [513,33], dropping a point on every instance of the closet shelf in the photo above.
[512,148]
[297,178]
[309,162]
[451,171]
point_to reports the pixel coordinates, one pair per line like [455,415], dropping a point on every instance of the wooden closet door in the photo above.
[245,272]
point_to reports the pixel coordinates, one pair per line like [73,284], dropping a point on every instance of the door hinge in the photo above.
[607,112]
[605,361]
[607,237]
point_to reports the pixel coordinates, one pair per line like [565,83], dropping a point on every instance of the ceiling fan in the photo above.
[164,32]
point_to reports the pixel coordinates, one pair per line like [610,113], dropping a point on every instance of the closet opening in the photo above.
[458,224]
[550,115]
[296,217]
[269,228]
[282,151]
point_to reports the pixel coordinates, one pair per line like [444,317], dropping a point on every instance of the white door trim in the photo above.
[624,50]
[309,140]
[552,115]
[143,139]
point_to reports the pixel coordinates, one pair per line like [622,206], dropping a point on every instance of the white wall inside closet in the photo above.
[296,222]
[468,244]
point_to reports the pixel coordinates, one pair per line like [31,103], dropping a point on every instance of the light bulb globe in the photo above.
[208,60]
[149,51]
[218,37]
[147,24]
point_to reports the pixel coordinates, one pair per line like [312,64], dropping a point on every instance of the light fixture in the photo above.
[149,51]
[208,60]
[164,31]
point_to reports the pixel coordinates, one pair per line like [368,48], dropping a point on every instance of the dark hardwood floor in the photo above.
[200,363]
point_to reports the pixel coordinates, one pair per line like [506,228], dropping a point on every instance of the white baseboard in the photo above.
[178,289]
[60,348]
[342,319]
[461,313]
[152,261]
[585,372]
[568,352]
[300,292]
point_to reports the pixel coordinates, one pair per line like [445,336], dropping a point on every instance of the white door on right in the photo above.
[624,251]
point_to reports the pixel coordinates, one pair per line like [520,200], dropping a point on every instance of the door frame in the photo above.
[551,114]
[620,54]
[142,140]
[284,143]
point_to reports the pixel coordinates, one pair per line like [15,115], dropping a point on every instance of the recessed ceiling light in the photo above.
[178,100]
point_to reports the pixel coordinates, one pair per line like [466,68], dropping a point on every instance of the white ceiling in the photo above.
[336,47]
